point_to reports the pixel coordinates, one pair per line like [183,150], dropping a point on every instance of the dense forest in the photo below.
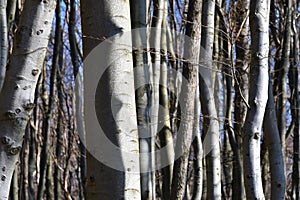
[149,99]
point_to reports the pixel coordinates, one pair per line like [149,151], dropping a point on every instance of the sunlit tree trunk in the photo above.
[138,9]
[49,107]
[103,19]
[155,44]
[211,126]
[258,96]
[3,41]
[198,149]
[17,95]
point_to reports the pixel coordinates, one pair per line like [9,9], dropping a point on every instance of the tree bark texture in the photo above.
[258,96]
[115,89]
[17,95]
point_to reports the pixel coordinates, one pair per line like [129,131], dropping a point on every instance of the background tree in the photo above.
[204,118]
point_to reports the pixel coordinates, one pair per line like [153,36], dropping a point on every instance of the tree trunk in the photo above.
[143,93]
[272,140]
[75,57]
[3,41]
[17,95]
[11,11]
[165,133]
[49,107]
[241,94]
[60,147]
[187,99]
[32,148]
[198,150]
[14,188]
[115,104]
[155,44]
[258,96]
[211,133]
[295,96]
[283,72]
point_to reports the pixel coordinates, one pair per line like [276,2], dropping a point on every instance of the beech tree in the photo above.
[203,96]
[211,125]
[17,94]
[117,84]
[258,96]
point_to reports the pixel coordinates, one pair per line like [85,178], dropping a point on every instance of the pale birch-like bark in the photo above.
[103,19]
[165,134]
[157,18]
[17,95]
[3,41]
[211,125]
[155,39]
[258,96]
[198,149]
[138,9]
[48,106]
[272,140]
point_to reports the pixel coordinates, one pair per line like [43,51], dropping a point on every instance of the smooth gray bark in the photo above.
[138,9]
[258,96]
[17,95]
[273,143]
[198,149]
[165,134]
[211,134]
[49,105]
[3,41]
[103,19]
[155,42]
